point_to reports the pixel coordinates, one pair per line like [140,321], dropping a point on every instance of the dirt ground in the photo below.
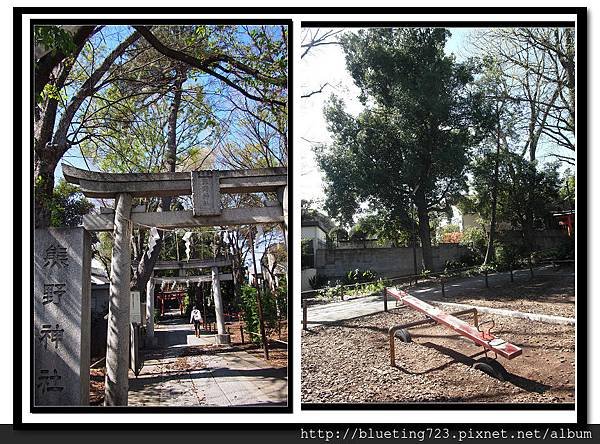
[349,362]
[277,353]
[550,293]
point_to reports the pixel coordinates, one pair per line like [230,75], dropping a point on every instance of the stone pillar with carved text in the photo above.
[61,317]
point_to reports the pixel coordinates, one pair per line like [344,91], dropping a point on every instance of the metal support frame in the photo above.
[392,331]
[304,314]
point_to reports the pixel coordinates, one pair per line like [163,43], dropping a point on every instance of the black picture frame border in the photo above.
[582,349]
[17,190]
[581,77]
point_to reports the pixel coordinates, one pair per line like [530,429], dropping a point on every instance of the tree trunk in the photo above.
[43,176]
[236,264]
[45,156]
[490,253]
[528,224]
[424,233]
[146,265]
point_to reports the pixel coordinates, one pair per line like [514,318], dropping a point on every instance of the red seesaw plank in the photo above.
[503,348]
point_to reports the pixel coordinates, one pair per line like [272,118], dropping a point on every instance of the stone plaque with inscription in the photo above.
[206,194]
[61,317]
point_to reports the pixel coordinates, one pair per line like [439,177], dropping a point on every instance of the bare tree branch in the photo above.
[205,65]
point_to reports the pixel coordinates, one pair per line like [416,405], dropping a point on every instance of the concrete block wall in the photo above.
[387,262]
[543,239]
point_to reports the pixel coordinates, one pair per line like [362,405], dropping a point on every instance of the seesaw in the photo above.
[477,332]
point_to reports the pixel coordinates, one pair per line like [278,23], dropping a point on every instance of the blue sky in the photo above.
[108,38]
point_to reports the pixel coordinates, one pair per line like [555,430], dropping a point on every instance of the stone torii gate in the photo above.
[205,187]
[216,278]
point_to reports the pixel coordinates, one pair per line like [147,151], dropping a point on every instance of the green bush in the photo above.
[452,266]
[566,249]
[250,311]
[332,292]
[469,259]
[357,276]
[475,239]
[488,267]
[306,247]
[369,288]
[508,255]
[281,297]
[188,300]
[338,291]
[318,281]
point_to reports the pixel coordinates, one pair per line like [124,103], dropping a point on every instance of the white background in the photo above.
[8,243]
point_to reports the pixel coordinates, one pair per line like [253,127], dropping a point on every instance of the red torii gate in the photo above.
[165,296]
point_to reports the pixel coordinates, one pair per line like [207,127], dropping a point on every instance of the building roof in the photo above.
[315,219]
[98,273]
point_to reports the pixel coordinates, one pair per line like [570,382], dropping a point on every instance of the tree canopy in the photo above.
[159,98]
[410,144]
[516,197]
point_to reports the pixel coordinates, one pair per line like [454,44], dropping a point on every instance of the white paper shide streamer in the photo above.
[187,238]
[152,240]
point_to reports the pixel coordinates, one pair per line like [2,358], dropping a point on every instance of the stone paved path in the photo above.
[191,372]
[361,306]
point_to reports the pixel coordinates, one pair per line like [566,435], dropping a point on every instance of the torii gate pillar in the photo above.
[282,196]
[222,336]
[117,341]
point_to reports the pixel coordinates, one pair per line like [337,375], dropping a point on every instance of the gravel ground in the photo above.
[349,363]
